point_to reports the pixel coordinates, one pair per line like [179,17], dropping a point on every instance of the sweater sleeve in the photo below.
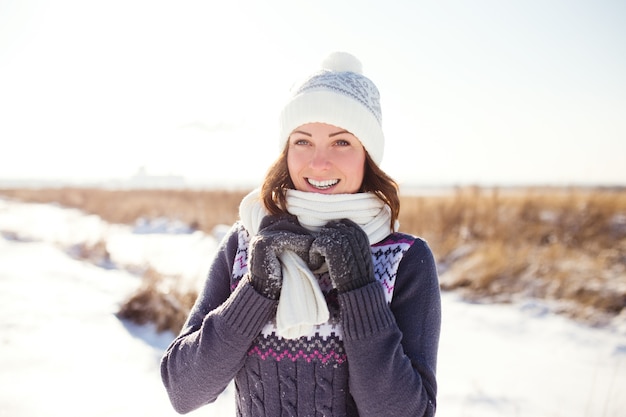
[392,349]
[212,346]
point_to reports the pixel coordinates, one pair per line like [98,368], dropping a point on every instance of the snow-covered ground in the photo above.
[63,352]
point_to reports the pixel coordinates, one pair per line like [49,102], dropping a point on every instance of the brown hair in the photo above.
[375,180]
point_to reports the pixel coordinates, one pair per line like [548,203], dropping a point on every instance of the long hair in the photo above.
[277,181]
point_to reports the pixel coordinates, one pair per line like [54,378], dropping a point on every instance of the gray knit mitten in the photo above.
[346,248]
[277,233]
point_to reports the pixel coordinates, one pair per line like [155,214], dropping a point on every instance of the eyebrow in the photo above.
[330,136]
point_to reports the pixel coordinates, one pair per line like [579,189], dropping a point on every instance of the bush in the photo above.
[155,302]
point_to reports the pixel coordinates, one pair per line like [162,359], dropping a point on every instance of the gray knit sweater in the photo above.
[375,357]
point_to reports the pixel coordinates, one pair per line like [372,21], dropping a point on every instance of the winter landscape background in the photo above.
[64,352]
[186,94]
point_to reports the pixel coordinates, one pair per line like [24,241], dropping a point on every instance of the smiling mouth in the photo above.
[322,185]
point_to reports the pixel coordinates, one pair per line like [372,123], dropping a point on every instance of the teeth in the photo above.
[322,184]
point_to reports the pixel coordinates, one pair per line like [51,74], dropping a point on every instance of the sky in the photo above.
[482,92]
[494,360]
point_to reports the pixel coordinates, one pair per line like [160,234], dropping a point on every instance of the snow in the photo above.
[63,352]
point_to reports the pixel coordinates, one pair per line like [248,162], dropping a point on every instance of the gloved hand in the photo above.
[277,233]
[346,248]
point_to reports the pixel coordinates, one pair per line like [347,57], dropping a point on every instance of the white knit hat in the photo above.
[339,95]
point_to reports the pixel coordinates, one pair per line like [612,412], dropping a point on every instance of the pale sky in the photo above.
[473,92]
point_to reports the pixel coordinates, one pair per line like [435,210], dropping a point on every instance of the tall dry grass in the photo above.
[563,245]
[201,209]
[156,302]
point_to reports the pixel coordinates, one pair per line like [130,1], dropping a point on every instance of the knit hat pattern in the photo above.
[340,95]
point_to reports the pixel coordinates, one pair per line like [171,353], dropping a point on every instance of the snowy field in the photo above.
[63,352]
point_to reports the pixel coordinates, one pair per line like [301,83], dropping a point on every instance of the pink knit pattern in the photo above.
[315,356]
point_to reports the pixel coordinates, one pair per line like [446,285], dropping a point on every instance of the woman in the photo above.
[315,304]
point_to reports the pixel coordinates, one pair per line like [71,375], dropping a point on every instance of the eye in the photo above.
[299,140]
[342,142]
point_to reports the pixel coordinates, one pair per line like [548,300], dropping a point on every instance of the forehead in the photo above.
[323,129]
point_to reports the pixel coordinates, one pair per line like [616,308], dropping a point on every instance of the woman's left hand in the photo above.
[346,248]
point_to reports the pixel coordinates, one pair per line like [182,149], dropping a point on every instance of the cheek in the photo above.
[354,172]
[356,168]
[293,165]
[290,163]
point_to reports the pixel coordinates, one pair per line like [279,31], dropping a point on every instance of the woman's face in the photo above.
[325,159]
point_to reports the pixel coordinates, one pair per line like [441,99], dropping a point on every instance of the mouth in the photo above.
[322,185]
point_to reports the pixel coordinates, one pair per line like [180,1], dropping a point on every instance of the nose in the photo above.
[320,159]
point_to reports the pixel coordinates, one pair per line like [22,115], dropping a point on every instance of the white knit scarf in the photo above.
[302,304]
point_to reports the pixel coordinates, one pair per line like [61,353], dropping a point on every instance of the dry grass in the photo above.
[562,245]
[565,245]
[96,253]
[158,302]
[200,209]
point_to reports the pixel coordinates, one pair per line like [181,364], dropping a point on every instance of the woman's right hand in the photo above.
[277,234]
